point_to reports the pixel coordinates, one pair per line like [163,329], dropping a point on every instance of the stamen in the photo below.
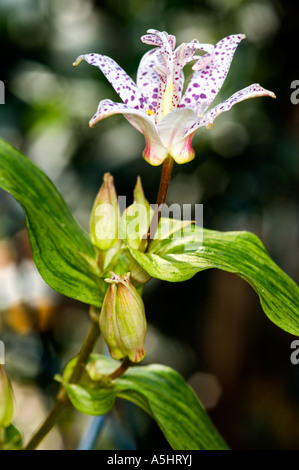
[181,52]
[160,69]
[169,63]
[203,61]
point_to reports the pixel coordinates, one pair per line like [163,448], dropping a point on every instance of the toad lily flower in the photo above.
[156,107]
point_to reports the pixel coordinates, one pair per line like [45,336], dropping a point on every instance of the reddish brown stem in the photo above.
[161,198]
[121,369]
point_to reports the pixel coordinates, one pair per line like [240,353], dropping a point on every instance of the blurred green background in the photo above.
[246,171]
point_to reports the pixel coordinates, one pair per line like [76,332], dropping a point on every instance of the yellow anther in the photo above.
[150,112]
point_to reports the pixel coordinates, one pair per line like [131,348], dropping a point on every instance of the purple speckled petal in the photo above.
[148,78]
[155,152]
[124,86]
[182,56]
[252,91]
[206,82]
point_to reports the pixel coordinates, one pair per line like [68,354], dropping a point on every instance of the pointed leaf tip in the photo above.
[78,61]
[178,259]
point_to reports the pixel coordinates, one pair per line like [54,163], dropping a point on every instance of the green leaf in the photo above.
[61,248]
[179,258]
[91,401]
[163,393]
[173,405]
[11,438]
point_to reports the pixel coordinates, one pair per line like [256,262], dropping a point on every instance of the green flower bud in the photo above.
[6,400]
[105,216]
[136,219]
[122,319]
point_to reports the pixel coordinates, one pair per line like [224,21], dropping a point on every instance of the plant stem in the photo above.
[87,347]
[121,369]
[161,199]
[55,414]
[62,402]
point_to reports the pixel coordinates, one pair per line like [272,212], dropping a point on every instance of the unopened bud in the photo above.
[105,216]
[122,319]
[136,219]
[6,400]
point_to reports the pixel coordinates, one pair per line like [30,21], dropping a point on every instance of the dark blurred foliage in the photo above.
[211,328]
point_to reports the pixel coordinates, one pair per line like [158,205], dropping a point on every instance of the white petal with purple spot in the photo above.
[156,151]
[206,82]
[252,91]
[148,79]
[124,86]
